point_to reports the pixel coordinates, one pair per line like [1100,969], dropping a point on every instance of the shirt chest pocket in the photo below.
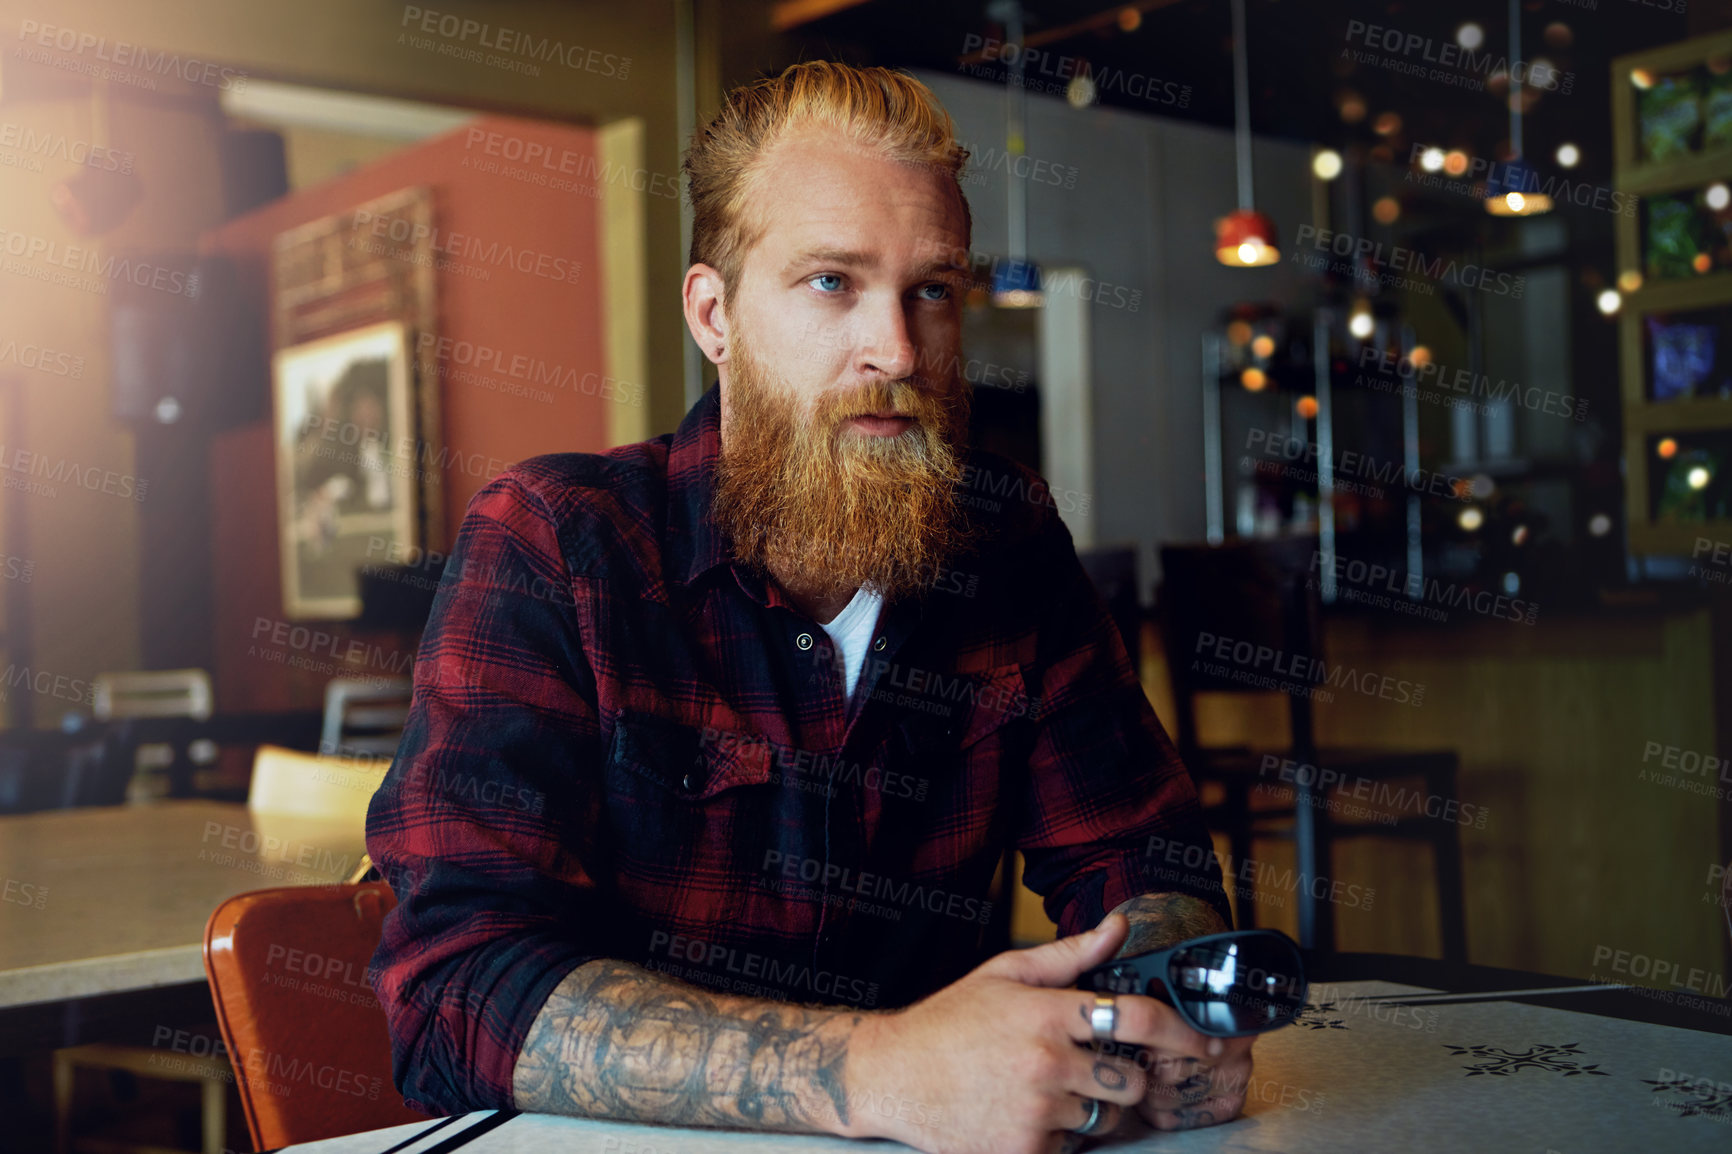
[687,808]
[963,755]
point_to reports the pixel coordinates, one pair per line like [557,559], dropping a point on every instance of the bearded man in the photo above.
[717,740]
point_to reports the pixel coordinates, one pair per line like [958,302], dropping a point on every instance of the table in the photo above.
[112,901]
[1373,1065]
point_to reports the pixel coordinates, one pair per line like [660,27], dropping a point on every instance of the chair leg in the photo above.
[62,1103]
[1239,843]
[215,1115]
[1305,853]
[1451,897]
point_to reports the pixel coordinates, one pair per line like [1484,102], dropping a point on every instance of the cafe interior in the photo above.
[1368,350]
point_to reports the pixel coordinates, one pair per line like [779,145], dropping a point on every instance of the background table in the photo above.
[111,903]
[1372,1065]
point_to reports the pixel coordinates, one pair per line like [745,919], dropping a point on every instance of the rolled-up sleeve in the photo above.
[1108,805]
[484,824]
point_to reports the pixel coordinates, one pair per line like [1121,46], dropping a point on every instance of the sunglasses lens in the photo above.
[1239,985]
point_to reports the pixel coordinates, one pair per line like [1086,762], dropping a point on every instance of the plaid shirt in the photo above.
[622,744]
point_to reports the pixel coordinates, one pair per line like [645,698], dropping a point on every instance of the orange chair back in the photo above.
[304,1031]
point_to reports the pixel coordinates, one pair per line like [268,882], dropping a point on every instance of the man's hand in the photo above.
[999,1063]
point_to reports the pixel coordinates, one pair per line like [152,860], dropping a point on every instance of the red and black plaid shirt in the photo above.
[622,744]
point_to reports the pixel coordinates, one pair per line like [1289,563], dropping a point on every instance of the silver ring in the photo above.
[1095,1111]
[1104,1017]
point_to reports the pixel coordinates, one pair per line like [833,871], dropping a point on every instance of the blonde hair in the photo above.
[889,112]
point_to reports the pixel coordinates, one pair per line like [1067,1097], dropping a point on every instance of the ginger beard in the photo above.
[823,506]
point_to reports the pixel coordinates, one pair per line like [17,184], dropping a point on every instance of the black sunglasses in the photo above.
[1223,985]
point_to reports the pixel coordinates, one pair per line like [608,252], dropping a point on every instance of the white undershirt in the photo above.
[851,632]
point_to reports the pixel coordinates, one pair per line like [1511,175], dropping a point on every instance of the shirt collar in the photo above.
[695,543]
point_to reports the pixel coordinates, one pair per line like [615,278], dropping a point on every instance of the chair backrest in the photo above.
[303,1029]
[1113,569]
[1242,618]
[152,693]
[296,784]
[364,716]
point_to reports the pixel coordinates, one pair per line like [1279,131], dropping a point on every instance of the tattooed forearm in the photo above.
[1160,920]
[617,1041]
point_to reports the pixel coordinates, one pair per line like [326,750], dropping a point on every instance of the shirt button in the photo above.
[804,641]
[878,645]
[686,783]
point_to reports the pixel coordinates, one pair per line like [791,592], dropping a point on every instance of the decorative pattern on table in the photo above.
[1552,1059]
[1319,1016]
[1702,1098]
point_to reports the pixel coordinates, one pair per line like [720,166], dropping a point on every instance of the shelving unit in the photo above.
[1644,417]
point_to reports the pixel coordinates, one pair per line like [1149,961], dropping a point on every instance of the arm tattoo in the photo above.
[1160,920]
[617,1041]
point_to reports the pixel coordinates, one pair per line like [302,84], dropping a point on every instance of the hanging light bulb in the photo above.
[1245,237]
[1514,192]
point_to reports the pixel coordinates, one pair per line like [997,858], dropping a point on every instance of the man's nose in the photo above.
[885,345]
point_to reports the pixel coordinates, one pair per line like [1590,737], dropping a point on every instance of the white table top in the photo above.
[1361,1072]
[111,899]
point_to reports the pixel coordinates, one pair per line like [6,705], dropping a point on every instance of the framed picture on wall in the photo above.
[344,435]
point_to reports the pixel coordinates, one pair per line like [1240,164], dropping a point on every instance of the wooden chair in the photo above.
[286,783]
[1259,592]
[364,717]
[153,717]
[288,972]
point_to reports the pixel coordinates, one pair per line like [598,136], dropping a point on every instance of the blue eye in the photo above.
[942,294]
[829,276]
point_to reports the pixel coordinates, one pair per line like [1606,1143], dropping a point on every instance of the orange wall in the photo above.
[519,314]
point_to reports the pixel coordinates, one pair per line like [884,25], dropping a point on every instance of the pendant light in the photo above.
[1016,281]
[1512,192]
[1244,237]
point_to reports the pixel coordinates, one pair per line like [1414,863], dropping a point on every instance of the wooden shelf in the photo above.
[1644,417]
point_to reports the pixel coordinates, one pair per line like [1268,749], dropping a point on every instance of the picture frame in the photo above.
[344,432]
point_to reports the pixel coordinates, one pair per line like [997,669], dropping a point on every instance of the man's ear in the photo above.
[706,316]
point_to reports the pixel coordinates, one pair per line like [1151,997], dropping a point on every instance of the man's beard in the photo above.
[825,508]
